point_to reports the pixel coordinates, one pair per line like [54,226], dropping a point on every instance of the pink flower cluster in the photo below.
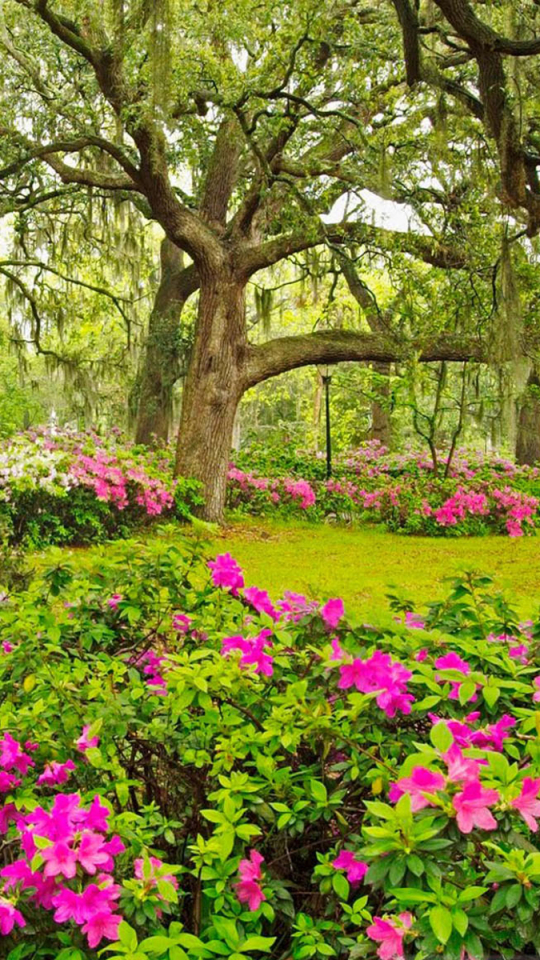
[253,650]
[110,478]
[248,888]
[472,801]
[381,675]
[390,933]
[67,864]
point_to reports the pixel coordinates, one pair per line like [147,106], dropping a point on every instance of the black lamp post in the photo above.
[326,377]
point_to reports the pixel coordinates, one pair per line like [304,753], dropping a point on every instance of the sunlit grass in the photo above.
[363,564]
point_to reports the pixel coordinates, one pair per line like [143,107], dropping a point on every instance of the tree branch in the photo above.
[333,346]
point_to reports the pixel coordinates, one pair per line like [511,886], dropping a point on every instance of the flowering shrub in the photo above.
[77,488]
[479,495]
[189,768]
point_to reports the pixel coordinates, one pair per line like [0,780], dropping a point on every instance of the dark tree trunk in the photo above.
[381,423]
[162,360]
[214,386]
[528,438]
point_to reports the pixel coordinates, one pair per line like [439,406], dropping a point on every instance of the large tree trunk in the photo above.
[528,438]
[214,386]
[381,423]
[162,361]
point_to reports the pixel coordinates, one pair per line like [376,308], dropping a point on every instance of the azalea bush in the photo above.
[79,488]
[476,495]
[190,768]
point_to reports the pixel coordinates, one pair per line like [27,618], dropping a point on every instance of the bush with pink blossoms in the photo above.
[191,768]
[79,488]
[480,494]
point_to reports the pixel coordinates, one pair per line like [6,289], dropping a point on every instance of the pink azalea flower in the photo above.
[113,601]
[379,673]
[253,650]
[527,803]
[332,612]
[261,602]
[92,853]
[248,889]
[181,622]
[536,694]
[9,917]
[7,647]
[354,868]
[452,661]
[101,925]
[460,768]
[60,859]
[226,573]
[421,781]
[56,773]
[84,742]
[157,872]
[422,655]
[471,806]
[414,621]
[390,934]
[338,653]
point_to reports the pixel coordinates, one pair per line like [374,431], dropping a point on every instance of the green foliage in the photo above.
[220,758]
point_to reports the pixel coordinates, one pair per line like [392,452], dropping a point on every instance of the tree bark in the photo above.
[381,423]
[214,386]
[528,438]
[161,365]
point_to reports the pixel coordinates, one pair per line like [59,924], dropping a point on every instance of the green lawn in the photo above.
[361,564]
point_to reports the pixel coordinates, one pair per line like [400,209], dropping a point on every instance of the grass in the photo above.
[362,564]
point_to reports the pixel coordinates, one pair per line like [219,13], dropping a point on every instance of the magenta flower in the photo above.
[422,655]
[101,925]
[92,852]
[452,661]
[9,917]
[60,859]
[414,621]
[226,573]
[536,694]
[354,868]
[181,622]
[390,934]
[527,803]
[421,782]
[253,650]
[261,602]
[85,741]
[460,768]
[248,889]
[471,806]
[379,673]
[113,601]
[158,871]
[56,773]
[338,653]
[332,612]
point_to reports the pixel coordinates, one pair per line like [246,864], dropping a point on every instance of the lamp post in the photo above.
[326,377]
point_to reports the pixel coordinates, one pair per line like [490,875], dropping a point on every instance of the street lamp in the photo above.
[326,377]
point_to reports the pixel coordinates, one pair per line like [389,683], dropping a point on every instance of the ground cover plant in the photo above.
[69,487]
[469,494]
[190,768]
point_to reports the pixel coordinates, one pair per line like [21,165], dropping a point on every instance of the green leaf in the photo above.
[258,943]
[466,691]
[460,921]
[440,920]
[167,891]
[341,886]
[319,791]
[513,895]
[127,936]
[441,737]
